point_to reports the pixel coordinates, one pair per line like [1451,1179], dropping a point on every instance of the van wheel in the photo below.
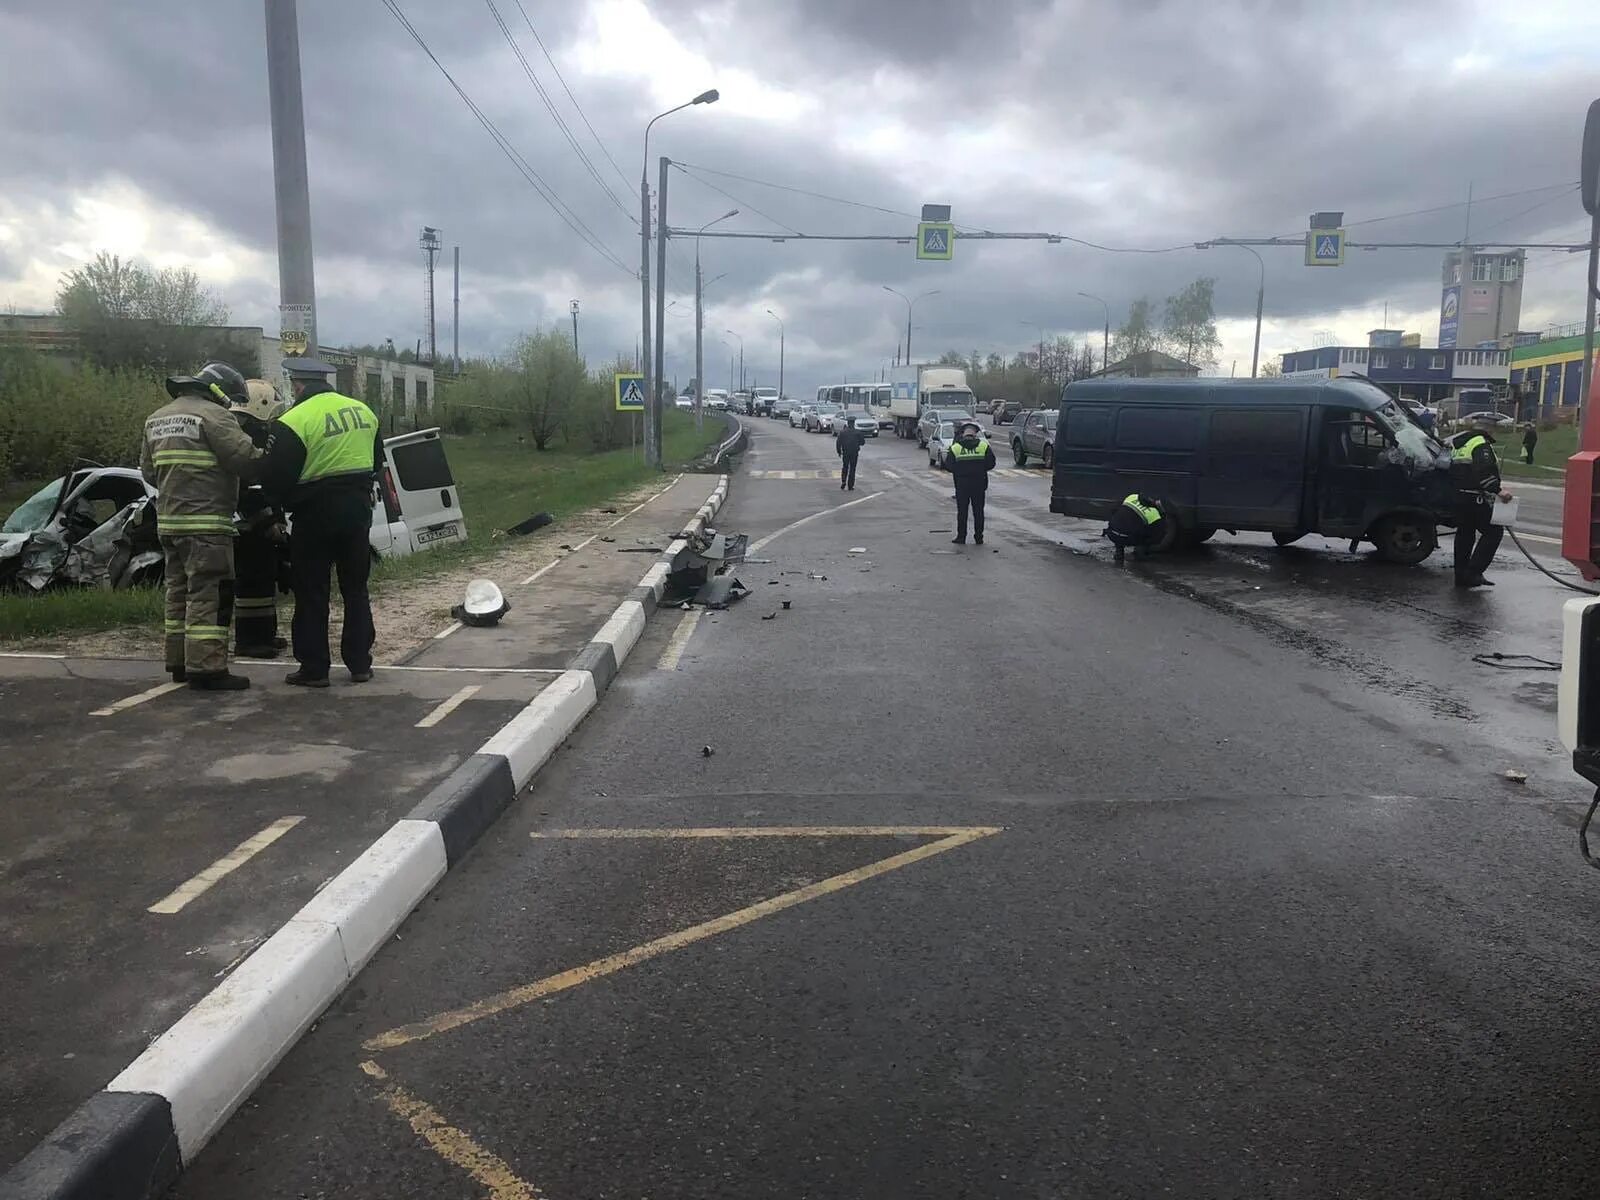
[1287,539]
[1404,539]
[1049,459]
[1018,454]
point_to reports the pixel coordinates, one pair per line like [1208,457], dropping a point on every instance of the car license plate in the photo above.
[437,533]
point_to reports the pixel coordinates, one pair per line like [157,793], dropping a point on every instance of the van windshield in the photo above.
[1415,445]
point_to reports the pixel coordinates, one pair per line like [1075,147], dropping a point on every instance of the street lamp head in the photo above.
[732,212]
[710,97]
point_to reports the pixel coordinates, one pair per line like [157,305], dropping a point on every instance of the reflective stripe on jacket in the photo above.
[194,454]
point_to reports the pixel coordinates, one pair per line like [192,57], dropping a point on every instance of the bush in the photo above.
[54,413]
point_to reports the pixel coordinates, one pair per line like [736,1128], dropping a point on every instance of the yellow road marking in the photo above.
[130,701]
[679,641]
[760,831]
[451,1144]
[449,706]
[226,865]
[612,963]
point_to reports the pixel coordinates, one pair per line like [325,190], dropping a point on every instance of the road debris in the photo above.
[856,550]
[771,616]
[720,591]
[787,603]
[538,521]
[482,606]
[706,751]
[1516,776]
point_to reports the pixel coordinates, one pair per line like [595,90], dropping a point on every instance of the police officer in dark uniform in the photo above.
[259,550]
[1139,521]
[970,460]
[1475,471]
[847,445]
[324,456]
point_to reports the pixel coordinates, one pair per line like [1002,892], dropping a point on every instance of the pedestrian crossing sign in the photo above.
[630,393]
[1325,248]
[936,240]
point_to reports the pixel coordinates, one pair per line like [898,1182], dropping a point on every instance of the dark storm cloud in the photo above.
[1144,124]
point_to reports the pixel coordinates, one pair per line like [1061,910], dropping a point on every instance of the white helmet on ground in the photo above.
[482,605]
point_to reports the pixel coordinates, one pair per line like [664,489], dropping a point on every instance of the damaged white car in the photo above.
[95,526]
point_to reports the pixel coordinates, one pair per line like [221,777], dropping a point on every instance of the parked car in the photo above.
[782,407]
[819,418]
[931,417]
[1336,457]
[761,401]
[1487,422]
[864,422]
[1006,411]
[798,415]
[939,439]
[1034,436]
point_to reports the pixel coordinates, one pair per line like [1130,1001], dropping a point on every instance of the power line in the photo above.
[546,193]
[783,187]
[570,96]
[1531,208]
[1438,208]
[735,199]
[527,69]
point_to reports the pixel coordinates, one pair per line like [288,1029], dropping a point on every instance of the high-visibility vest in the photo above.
[338,434]
[1463,453]
[978,451]
[1149,512]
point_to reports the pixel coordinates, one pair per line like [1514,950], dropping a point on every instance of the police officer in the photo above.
[1475,471]
[1139,521]
[970,460]
[259,548]
[194,454]
[323,456]
[847,445]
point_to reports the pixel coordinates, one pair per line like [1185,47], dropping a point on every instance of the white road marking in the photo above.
[447,631]
[226,865]
[550,566]
[480,670]
[636,508]
[449,706]
[754,546]
[888,474]
[130,701]
[26,654]
[1535,537]
[679,641]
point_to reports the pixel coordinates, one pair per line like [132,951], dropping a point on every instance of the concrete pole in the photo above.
[780,359]
[1587,376]
[455,319]
[297,292]
[652,401]
[643,357]
[699,341]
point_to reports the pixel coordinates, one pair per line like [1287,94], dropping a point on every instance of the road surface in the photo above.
[995,872]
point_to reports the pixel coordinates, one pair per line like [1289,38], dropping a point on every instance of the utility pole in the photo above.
[429,241]
[699,341]
[574,309]
[779,320]
[652,403]
[455,319]
[297,292]
[1105,336]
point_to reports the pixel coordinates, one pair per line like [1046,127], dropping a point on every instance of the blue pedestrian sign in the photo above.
[1325,248]
[936,240]
[630,393]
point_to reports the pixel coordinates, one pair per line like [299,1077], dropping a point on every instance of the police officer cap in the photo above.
[972,425]
[306,368]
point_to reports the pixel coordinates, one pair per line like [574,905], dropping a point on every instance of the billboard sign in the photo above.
[1449,317]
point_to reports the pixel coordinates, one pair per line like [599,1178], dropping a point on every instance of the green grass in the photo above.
[500,484]
[1554,448]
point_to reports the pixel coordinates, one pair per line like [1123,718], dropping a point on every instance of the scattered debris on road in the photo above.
[1517,776]
[857,550]
[706,751]
[538,521]
[771,616]
[482,606]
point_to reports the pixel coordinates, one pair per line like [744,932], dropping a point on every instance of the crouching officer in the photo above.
[262,540]
[194,454]
[1139,521]
[970,460]
[323,457]
[1475,471]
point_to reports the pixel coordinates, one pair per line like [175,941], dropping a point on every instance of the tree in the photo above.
[1269,370]
[1191,323]
[127,315]
[1137,334]
[543,384]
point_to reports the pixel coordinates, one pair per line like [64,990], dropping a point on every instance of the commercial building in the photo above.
[1480,299]
[1395,360]
[1548,374]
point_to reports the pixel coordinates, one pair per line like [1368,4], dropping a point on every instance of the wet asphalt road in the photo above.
[1227,896]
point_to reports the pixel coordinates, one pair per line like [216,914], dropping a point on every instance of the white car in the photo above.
[717,398]
[419,504]
[939,440]
[684,402]
[864,422]
[797,415]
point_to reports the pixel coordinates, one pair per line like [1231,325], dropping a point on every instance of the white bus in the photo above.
[873,397]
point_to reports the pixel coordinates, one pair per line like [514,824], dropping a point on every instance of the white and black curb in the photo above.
[132,1140]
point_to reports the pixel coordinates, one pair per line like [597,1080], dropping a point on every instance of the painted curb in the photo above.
[131,1140]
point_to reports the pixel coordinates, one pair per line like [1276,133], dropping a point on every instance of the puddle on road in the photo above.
[325,762]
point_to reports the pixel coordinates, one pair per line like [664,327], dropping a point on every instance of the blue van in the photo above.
[1339,457]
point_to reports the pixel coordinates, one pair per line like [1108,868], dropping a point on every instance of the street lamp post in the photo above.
[1261,298]
[911,302]
[1105,335]
[779,320]
[699,323]
[574,307]
[1039,366]
[741,357]
[652,399]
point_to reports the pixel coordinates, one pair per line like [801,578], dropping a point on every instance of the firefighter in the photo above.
[970,460]
[323,456]
[1139,521]
[1475,471]
[194,454]
[259,549]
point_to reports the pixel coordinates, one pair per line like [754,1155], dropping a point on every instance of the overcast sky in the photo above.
[143,129]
